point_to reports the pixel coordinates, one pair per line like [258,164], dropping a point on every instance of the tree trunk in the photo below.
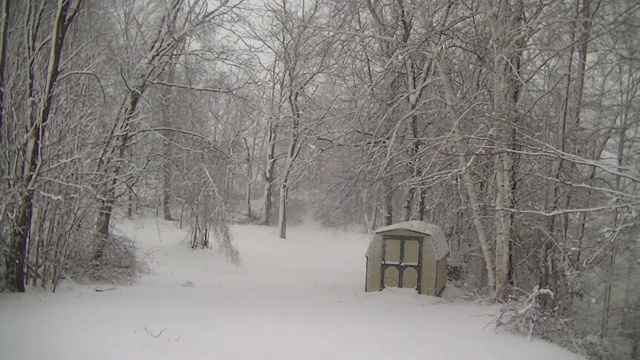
[481,231]
[408,202]
[105,208]
[130,205]
[249,176]
[472,193]
[110,164]
[166,190]
[606,301]
[583,35]
[15,257]
[248,200]
[503,225]
[617,222]
[102,229]
[507,43]
[269,173]
[416,174]
[4,26]
[167,106]
[422,199]
[369,212]
[268,190]
[388,202]
[284,188]
[414,81]
[282,218]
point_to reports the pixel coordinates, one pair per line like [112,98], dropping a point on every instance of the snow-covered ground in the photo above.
[300,298]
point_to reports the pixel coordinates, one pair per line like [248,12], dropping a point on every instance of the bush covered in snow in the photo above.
[525,315]
[119,264]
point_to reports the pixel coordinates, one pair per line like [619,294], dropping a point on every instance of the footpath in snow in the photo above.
[300,298]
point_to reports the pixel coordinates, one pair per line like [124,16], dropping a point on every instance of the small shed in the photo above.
[411,254]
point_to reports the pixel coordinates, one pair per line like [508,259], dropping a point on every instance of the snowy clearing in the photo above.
[300,298]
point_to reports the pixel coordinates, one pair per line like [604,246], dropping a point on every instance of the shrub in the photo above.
[119,264]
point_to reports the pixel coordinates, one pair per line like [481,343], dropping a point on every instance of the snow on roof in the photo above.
[437,235]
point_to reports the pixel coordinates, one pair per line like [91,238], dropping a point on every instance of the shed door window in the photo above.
[401,261]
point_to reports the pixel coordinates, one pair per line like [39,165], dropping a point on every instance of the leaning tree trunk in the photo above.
[110,166]
[112,171]
[472,193]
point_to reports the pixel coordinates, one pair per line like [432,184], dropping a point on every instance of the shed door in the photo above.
[401,261]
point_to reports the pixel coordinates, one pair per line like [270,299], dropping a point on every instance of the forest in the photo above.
[511,124]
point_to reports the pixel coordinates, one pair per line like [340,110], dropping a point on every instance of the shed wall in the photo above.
[442,275]
[374,264]
[428,267]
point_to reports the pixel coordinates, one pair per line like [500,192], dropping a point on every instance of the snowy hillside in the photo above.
[300,298]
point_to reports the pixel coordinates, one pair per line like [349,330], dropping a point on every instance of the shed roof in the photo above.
[436,234]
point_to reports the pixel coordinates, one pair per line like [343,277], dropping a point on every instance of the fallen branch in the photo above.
[152,334]
[107,289]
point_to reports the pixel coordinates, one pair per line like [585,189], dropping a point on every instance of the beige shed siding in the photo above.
[391,277]
[392,250]
[374,262]
[428,267]
[411,251]
[442,275]
[410,278]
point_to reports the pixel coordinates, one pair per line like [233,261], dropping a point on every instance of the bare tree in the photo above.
[169,31]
